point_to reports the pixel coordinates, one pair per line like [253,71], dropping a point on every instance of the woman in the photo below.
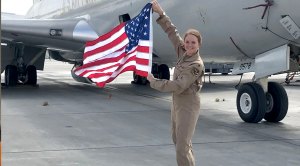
[185,86]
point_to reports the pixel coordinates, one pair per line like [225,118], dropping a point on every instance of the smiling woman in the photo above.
[16,6]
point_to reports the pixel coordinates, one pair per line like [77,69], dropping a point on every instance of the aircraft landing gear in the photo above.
[163,72]
[289,77]
[139,79]
[277,102]
[159,71]
[251,102]
[254,104]
[11,75]
[31,76]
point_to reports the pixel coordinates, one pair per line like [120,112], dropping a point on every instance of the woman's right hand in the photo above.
[157,8]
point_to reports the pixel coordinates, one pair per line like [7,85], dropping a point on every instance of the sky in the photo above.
[19,7]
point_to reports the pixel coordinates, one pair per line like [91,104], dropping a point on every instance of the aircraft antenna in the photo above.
[240,48]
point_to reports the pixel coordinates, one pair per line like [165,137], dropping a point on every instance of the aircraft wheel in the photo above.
[251,102]
[139,79]
[155,70]
[163,72]
[277,103]
[11,75]
[31,76]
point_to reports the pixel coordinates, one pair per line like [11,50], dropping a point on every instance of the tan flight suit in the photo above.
[185,87]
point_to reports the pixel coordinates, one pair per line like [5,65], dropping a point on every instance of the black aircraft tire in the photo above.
[251,102]
[139,79]
[163,72]
[11,75]
[279,103]
[31,75]
[143,80]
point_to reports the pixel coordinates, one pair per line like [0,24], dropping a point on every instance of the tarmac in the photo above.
[62,122]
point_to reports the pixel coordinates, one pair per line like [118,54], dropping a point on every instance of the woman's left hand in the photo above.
[150,77]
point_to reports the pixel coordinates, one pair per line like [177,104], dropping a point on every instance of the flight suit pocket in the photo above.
[188,91]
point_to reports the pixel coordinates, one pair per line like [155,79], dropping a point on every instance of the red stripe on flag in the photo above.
[144,49]
[98,74]
[105,36]
[142,61]
[107,46]
[101,62]
[105,60]
[99,70]
[128,68]
[141,73]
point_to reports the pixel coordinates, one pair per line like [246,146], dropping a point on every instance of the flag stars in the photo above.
[137,29]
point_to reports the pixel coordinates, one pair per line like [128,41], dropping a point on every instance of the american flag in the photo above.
[128,47]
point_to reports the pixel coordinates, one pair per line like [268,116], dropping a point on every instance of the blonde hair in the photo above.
[195,33]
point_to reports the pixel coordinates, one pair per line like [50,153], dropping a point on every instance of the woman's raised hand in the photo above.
[157,8]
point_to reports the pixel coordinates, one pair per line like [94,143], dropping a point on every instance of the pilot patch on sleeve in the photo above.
[195,72]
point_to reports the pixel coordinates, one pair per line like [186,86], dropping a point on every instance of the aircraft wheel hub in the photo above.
[245,103]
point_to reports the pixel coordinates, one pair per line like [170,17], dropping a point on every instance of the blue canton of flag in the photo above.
[138,27]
